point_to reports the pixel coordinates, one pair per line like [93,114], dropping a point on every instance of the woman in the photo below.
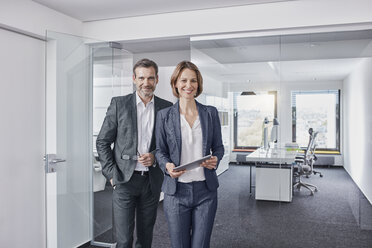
[185,132]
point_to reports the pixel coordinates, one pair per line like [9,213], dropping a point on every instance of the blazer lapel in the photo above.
[203,116]
[177,127]
[133,109]
[157,107]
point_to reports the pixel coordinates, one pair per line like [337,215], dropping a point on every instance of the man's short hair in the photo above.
[147,64]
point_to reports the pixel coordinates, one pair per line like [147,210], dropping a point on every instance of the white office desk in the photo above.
[274,173]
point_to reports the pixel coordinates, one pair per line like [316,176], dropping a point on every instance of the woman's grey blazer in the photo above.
[168,142]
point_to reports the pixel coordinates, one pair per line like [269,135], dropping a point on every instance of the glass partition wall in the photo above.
[289,90]
[245,72]
[269,92]
[112,76]
[240,71]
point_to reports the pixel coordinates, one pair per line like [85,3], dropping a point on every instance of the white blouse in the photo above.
[192,149]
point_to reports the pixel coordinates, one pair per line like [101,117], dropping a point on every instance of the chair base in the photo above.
[300,184]
[317,172]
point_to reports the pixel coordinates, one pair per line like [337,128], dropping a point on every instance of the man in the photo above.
[130,166]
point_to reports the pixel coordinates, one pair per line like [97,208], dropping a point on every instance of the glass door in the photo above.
[82,76]
[68,159]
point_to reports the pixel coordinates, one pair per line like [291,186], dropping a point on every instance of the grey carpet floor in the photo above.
[338,215]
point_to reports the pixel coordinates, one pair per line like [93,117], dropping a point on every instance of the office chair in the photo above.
[305,164]
[312,151]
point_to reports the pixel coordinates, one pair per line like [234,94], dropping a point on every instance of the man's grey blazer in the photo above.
[120,128]
[169,142]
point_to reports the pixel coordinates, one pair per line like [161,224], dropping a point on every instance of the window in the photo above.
[250,110]
[319,110]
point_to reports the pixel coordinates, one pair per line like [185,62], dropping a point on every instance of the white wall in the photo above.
[32,18]
[358,123]
[213,87]
[163,89]
[22,208]
[271,16]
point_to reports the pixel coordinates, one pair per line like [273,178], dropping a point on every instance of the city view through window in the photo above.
[250,112]
[317,110]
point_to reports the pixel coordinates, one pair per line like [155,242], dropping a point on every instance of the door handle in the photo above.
[51,162]
[57,160]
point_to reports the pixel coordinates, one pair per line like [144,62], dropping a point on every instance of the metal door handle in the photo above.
[57,160]
[51,162]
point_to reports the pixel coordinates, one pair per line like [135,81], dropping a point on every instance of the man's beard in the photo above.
[149,92]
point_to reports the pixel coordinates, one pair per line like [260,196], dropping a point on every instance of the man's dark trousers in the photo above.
[131,200]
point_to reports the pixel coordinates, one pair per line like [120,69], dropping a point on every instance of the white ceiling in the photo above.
[292,58]
[284,71]
[93,10]
[307,57]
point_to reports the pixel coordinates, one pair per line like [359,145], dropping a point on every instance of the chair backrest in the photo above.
[306,162]
[310,151]
[312,142]
[311,145]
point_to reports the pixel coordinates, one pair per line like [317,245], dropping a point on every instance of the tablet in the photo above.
[192,165]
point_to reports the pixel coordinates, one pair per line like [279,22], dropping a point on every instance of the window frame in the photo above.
[337,149]
[235,118]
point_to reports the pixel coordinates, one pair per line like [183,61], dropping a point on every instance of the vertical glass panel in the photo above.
[223,107]
[68,140]
[82,76]
[248,68]
[112,76]
[245,73]
[324,79]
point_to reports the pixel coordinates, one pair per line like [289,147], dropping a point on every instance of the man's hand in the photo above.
[173,174]
[210,163]
[146,159]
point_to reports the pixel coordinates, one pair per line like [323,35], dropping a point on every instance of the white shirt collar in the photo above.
[139,100]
